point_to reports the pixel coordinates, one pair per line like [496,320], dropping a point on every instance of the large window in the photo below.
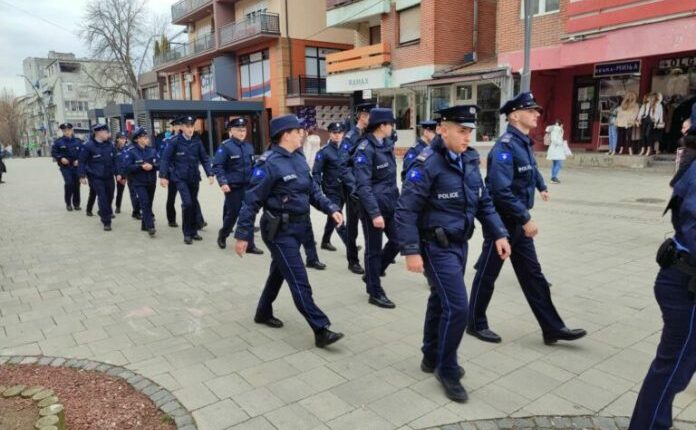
[439,99]
[409,25]
[541,7]
[315,61]
[488,99]
[255,73]
[207,85]
[175,87]
[375,35]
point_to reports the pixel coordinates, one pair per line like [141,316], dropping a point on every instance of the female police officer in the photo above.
[281,183]
[141,164]
[66,152]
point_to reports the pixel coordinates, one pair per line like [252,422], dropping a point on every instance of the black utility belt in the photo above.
[286,217]
[669,256]
[440,236]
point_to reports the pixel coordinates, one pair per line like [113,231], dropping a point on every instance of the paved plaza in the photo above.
[182,315]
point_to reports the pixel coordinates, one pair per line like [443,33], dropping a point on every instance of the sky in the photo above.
[32,28]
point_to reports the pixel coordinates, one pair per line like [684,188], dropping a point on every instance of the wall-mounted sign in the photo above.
[617,68]
[358,80]
[672,63]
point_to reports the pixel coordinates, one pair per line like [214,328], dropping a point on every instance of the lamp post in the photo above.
[526,78]
[49,132]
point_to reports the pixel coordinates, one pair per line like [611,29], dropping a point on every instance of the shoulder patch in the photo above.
[427,152]
[362,145]
[360,159]
[220,150]
[507,137]
[505,157]
[409,155]
[414,175]
[345,146]
[264,157]
[258,173]
[318,156]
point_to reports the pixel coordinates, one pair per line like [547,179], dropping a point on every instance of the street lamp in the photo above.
[526,78]
[49,134]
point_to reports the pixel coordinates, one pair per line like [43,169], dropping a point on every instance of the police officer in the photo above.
[98,163]
[66,152]
[232,165]
[511,179]
[281,183]
[441,196]
[141,164]
[171,188]
[347,150]
[374,167]
[428,133]
[326,173]
[135,204]
[120,144]
[180,164]
[308,242]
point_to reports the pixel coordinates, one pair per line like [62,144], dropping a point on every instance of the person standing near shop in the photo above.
[141,164]
[281,184]
[428,133]
[66,152]
[98,163]
[556,152]
[625,120]
[645,124]
[613,131]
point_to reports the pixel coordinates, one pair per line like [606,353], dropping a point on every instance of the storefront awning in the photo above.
[470,73]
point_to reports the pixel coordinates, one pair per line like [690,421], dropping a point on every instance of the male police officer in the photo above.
[171,188]
[443,184]
[180,164]
[66,152]
[428,133]
[347,150]
[512,178]
[98,162]
[232,165]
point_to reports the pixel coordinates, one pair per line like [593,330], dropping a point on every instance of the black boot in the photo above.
[326,337]
[221,241]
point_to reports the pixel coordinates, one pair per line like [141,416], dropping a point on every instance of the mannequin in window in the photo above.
[626,120]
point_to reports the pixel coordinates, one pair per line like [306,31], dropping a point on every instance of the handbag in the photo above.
[547,138]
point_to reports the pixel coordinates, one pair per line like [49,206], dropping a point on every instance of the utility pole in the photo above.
[526,81]
[49,133]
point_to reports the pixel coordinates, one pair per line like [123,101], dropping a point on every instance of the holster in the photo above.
[272,225]
[666,254]
[439,235]
[669,256]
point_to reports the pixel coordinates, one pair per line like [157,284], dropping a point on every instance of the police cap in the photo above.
[139,131]
[522,101]
[335,127]
[381,116]
[282,123]
[236,123]
[428,124]
[99,127]
[65,125]
[464,115]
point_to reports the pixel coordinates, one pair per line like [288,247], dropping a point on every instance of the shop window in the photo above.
[175,87]
[409,25]
[488,99]
[402,111]
[464,92]
[439,99]
[541,7]
[584,102]
[315,61]
[421,104]
[207,85]
[375,35]
[255,75]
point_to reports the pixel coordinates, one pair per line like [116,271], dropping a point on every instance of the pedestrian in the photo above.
[613,131]
[171,188]
[281,184]
[428,133]
[556,151]
[625,121]
[120,144]
[347,150]
[98,163]
[375,177]
[232,166]
[512,178]
[441,196]
[3,168]
[66,152]
[326,173]
[180,164]
[657,117]
[141,164]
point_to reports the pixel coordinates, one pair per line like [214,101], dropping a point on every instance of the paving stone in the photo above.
[582,422]
[487,425]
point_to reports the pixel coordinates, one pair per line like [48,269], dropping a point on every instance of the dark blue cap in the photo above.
[187,120]
[522,101]
[139,131]
[236,122]
[281,123]
[120,134]
[99,127]
[464,115]
[428,124]
[380,116]
[65,125]
[365,107]
[335,127]
[175,121]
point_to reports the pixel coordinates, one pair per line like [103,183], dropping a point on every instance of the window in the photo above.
[375,35]
[207,85]
[255,75]
[66,105]
[464,92]
[439,99]
[541,7]
[409,25]
[69,87]
[488,99]
[256,10]
[315,61]
[175,87]
[73,106]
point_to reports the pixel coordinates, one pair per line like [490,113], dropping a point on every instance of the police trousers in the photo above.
[446,314]
[351,227]
[135,204]
[377,259]
[119,194]
[104,190]
[230,211]
[330,225]
[675,360]
[92,196]
[287,265]
[188,191]
[145,193]
[528,272]
[309,244]
[71,186]
[171,201]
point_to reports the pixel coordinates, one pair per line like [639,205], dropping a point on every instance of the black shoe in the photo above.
[113,216]
[118,210]
[69,208]
[382,302]
[454,390]
[89,213]
[328,246]
[356,268]
[152,232]
[197,237]
[486,335]
[271,322]
[136,216]
[107,228]
[316,265]
[257,229]
[221,241]
[173,224]
[429,367]
[565,334]
[202,225]
[555,180]
[383,274]
[77,208]
[326,337]
[188,240]
[255,251]
[142,228]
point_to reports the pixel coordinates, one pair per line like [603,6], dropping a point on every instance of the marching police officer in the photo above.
[428,133]
[171,188]
[512,178]
[98,163]
[180,164]
[347,149]
[281,183]
[326,173]
[232,165]
[66,152]
[135,204]
[441,196]
[374,167]
[141,164]
[120,144]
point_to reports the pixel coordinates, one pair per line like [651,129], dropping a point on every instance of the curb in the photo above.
[553,422]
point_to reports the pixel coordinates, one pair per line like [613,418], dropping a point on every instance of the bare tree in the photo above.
[12,120]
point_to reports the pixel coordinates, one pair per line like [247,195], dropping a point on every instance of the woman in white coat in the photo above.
[556,152]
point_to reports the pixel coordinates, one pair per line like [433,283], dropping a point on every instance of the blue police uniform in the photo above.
[68,148]
[675,361]
[180,164]
[98,163]
[416,149]
[135,204]
[143,182]
[171,188]
[282,185]
[374,167]
[120,171]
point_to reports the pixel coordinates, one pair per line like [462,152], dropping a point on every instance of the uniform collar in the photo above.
[518,133]
[377,142]
[282,151]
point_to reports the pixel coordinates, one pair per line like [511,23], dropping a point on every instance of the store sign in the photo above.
[358,81]
[672,63]
[619,68]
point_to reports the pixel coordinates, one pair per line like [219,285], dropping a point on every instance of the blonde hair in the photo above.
[629,99]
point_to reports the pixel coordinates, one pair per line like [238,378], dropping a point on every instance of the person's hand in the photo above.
[240,247]
[64,161]
[414,263]
[147,167]
[545,196]
[123,181]
[338,218]
[210,180]
[164,183]
[530,229]
[83,181]
[503,247]
[378,222]
[225,188]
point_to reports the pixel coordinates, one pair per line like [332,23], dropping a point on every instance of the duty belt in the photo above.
[669,256]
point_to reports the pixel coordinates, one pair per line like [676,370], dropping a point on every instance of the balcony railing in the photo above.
[184,7]
[306,85]
[366,57]
[190,49]
[330,4]
[263,23]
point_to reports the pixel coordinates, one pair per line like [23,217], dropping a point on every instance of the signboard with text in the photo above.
[618,68]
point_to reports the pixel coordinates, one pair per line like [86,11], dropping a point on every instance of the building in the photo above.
[588,54]
[271,51]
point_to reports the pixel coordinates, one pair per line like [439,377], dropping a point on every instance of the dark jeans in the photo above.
[171,202]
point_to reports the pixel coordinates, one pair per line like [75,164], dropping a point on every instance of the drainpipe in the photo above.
[476,29]
[287,30]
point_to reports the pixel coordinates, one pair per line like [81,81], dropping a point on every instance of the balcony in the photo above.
[187,51]
[187,11]
[359,69]
[340,13]
[306,85]
[253,30]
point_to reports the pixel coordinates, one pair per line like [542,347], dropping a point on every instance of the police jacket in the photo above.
[513,176]
[345,156]
[133,165]
[97,160]
[327,168]
[280,183]
[121,155]
[438,193]
[374,167]
[181,158]
[68,148]
[683,205]
[233,162]
[411,155]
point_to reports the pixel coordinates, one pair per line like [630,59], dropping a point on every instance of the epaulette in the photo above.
[362,145]
[424,154]
[507,138]
[264,157]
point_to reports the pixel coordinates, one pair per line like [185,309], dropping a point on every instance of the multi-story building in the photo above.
[258,50]
[588,54]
